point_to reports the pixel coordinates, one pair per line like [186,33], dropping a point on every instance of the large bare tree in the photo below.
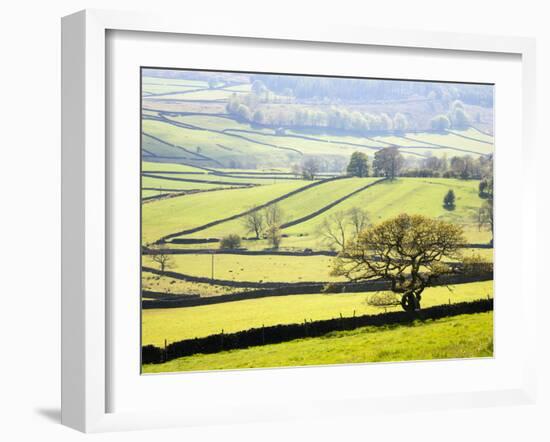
[273,215]
[253,222]
[163,259]
[407,251]
[485,217]
[337,228]
[333,230]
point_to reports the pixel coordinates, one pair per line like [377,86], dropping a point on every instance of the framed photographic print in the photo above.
[251,215]
[284,214]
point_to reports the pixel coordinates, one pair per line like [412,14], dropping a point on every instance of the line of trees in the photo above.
[265,223]
[248,107]
[391,163]
[353,90]
[459,166]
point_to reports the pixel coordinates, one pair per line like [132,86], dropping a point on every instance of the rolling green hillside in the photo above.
[381,201]
[466,336]
[296,206]
[411,195]
[168,216]
[175,324]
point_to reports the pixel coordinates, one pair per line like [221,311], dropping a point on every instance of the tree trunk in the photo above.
[410,301]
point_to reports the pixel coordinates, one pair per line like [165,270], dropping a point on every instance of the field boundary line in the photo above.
[275,334]
[241,214]
[469,138]
[191,180]
[443,146]
[198,155]
[274,289]
[330,205]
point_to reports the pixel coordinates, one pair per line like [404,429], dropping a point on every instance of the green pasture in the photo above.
[203,94]
[148,193]
[454,141]
[382,201]
[252,150]
[165,89]
[160,183]
[267,171]
[464,336]
[212,122]
[168,216]
[245,87]
[175,324]
[237,180]
[473,133]
[414,196]
[146,80]
[223,147]
[172,286]
[306,146]
[158,148]
[296,206]
[262,268]
[150,166]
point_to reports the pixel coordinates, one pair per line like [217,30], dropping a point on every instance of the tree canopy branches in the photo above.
[407,250]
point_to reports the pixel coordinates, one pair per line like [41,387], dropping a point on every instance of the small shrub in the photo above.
[477,265]
[230,242]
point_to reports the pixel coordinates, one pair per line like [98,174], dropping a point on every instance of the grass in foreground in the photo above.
[175,324]
[465,336]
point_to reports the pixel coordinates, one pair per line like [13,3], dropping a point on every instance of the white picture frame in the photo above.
[85,202]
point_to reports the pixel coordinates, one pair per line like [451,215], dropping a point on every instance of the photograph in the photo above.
[292,219]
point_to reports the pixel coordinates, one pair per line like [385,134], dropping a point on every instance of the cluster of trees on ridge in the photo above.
[248,108]
[389,162]
[356,89]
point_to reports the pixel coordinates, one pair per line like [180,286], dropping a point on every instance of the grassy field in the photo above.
[263,268]
[175,324]
[161,149]
[147,193]
[328,145]
[202,94]
[221,146]
[169,216]
[150,166]
[167,285]
[233,179]
[411,195]
[382,201]
[207,157]
[296,206]
[160,183]
[452,140]
[466,336]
